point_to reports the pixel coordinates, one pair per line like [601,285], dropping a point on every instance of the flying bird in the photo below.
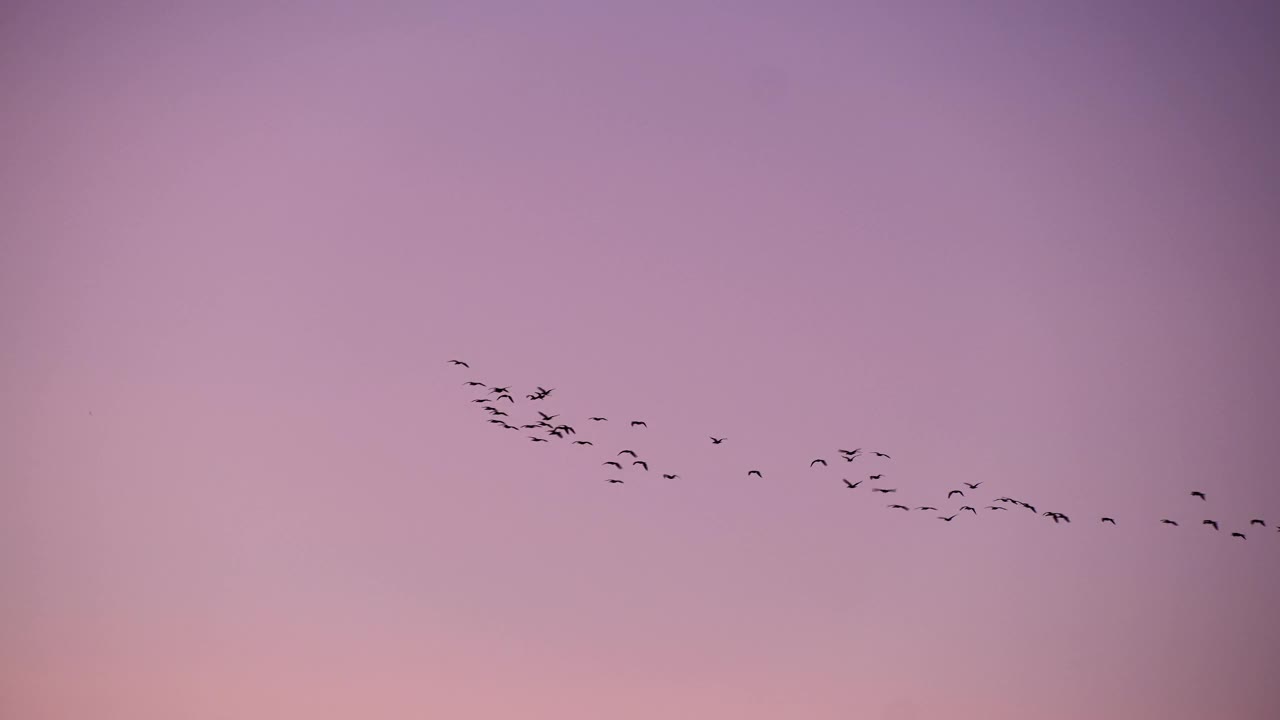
[966,507]
[641,463]
[499,390]
[1110,520]
[613,463]
[597,419]
[875,477]
[716,440]
[473,383]
[1167,521]
[670,477]
[459,362]
[546,417]
[754,472]
[632,453]
[638,422]
[1239,535]
[880,454]
[997,507]
[1214,523]
[504,395]
[613,481]
[948,519]
[973,486]
[1197,493]
[884,490]
[537,439]
[1257,522]
[926,507]
[899,507]
[819,460]
[851,452]
[583,442]
[852,486]
[955,492]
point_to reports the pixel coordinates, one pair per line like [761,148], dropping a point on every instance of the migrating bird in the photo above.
[899,507]
[880,454]
[583,442]
[1214,523]
[966,507]
[716,440]
[670,477]
[1167,521]
[851,452]
[473,383]
[597,419]
[884,490]
[1257,522]
[546,417]
[926,507]
[973,486]
[641,463]
[632,453]
[852,486]
[613,463]
[997,507]
[1239,535]
[1110,520]
[613,481]
[1197,493]
[948,519]
[459,362]
[480,400]
[875,477]
[851,458]
[504,395]
[1057,516]
[499,390]
[638,422]
[955,492]
[535,439]
[819,460]
[754,472]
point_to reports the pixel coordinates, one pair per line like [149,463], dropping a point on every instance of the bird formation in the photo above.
[562,431]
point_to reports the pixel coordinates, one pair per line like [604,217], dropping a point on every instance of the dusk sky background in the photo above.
[1028,244]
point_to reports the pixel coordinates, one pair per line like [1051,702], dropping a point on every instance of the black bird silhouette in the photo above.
[1167,521]
[504,395]
[473,383]
[496,420]
[528,427]
[880,454]
[852,486]
[819,460]
[926,507]
[499,390]
[459,362]
[638,422]
[632,453]
[1110,520]
[884,490]
[997,507]
[1239,535]
[899,507]
[670,477]
[567,429]
[597,419]
[716,441]
[973,486]
[496,411]
[955,492]
[1257,522]
[544,392]
[966,507]
[641,463]
[555,433]
[948,519]
[754,472]
[875,477]
[478,400]
[1197,493]
[1214,523]
[583,442]
[535,439]
[851,452]
[1057,516]
[546,417]
[613,481]
[613,463]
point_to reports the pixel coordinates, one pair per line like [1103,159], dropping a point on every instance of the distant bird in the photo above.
[1239,535]
[880,454]
[851,452]
[597,419]
[754,472]
[819,460]
[716,440]
[948,519]
[478,400]
[613,481]
[852,486]
[496,420]
[632,453]
[473,383]
[528,427]
[875,477]
[638,422]
[966,507]
[973,486]
[504,395]
[613,463]
[899,507]
[537,439]
[1056,516]
[546,417]
[1197,493]
[1110,520]
[926,507]
[583,442]
[997,507]
[850,458]
[567,429]
[884,490]
[641,463]
[499,390]
[1166,521]
[1257,522]
[459,362]
[670,477]
[1211,522]
[955,492]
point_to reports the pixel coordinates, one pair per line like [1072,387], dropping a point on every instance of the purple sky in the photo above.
[1022,243]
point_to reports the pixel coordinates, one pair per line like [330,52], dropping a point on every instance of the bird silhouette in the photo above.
[459,362]
[597,419]
[613,463]
[852,486]
[473,383]
[504,395]
[997,507]
[495,390]
[583,442]
[1214,523]
[948,519]
[716,441]
[875,477]
[632,453]
[1197,493]
[1057,516]
[638,422]
[1257,522]
[642,464]
[899,507]
[955,492]
[614,481]
[819,460]
[1239,535]
[851,452]
[884,490]
[547,418]
[926,507]
[880,454]
[966,507]
[1167,521]
[973,486]
[537,439]
[670,477]
[754,472]
[1110,520]
[480,400]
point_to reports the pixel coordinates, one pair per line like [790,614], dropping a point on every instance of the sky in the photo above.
[1031,245]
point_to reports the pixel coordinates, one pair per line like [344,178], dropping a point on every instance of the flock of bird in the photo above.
[551,431]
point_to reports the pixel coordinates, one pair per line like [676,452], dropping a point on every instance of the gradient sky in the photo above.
[1029,244]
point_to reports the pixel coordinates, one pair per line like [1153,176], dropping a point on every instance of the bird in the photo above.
[955,492]
[880,454]
[1239,535]
[1197,493]
[899,507]
[966,507]
[632,453]
[1167,521]
[850,458]
[948,519]
[716,441]
[851,452]
[973,486]
[638,422]
[613,463]
[1257,522]
[884,490]
[473,383]
[754,472]
[479,400]
[504,395]
[875,477]
[499,390]
[613,481]
[819,460]
[641,463]
[1214,523]
[567,429]
[597,419]
[536,439]
[926,507]
[1110,520]
[852,486]
[670,477]
[583,442]
[546,417]
[996,507]
[1057,516]
[544,392]
[459,362]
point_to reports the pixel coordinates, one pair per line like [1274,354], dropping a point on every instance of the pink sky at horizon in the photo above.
[1021,244]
